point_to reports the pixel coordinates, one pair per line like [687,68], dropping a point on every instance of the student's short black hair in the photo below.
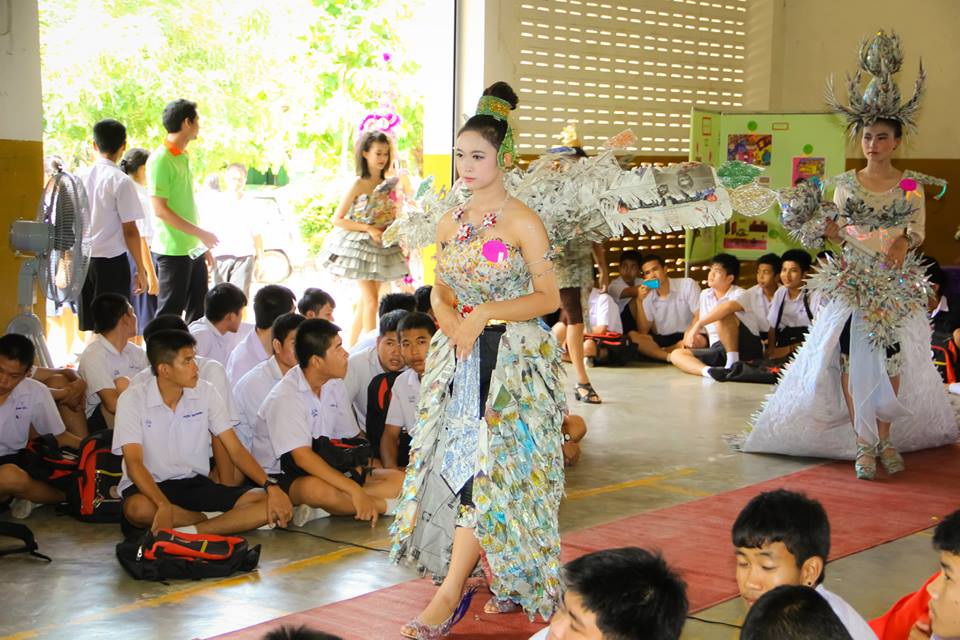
[652,257]
[631,255]
[632,593]
[270,303]
[391,320]
[299,633]
[286,323]
[771,259]
[224,298]
[14,346]
[166,322]
[314,337]
[946,537]
[799,256]
[729,263]
[823,255]
[422,298]
[176,112]
[314,299]
[417,320]
[791,612]
[107,310]
[393,301]
[797,521]
[935,273]
[109,135]
[163,346]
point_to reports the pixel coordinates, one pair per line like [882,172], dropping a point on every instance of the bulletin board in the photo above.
[789,147]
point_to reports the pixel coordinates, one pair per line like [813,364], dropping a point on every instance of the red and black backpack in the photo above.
[92,496]
[172,555]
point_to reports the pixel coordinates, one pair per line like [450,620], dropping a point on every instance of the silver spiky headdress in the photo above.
[880,57]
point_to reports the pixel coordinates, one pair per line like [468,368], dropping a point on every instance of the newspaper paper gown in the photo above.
[806,415]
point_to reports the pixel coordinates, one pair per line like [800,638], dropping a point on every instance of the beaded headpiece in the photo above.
[880,57]
[499,109]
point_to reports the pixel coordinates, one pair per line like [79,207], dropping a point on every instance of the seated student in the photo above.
[730,323]
[216,331]
[422,298]
[224,471]
[625,287]
[944,320]
[415,333]
[316,303]
[791,612]
[269,303]
[368,363]
[665,313]
[163,431]
[27,410]
[783,537]
[935,607]
[574,429]
[603,315]
[761,294]
[300,410]
[619,594]
[253,388]
[110,360]
[793,309]
[69,391]
[389,302]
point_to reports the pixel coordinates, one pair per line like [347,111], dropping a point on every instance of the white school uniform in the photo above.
[292,416]
[709,300]
[602,310]
[145,225]
[113,200]
[760,307]
[30,403]
[674,312]
[101,364]
[176,443]
[249,394]
[247,354]
[366,341]
[405,396]
[853,621]
[794,311]
[211,371]
[361,369]
[616,288]
[210,342]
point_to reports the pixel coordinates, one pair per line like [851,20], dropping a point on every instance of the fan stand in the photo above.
[34,237]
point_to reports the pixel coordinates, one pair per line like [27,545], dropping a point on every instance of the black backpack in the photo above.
[23,534]
[379,394]
[945,356]
[92,495]
[172,555]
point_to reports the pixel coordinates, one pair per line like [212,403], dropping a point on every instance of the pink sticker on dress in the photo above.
[908,185]
[495,251]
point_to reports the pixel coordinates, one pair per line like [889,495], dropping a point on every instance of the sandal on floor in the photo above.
[496,605]
[890,458]
[586,393]
[866,463]
[416,630]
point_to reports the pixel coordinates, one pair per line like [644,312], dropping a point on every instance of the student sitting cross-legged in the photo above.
[619,594]
[664,313]
[368,363]
[216,332]
[726,314]
[163,431]
[316,303]
[415,332]
[792,310]
[269,303]
[309,403]
[783,537]
[791,612]
[26,410]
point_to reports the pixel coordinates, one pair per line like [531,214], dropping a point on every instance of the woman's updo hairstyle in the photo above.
[492,129]
[133,159]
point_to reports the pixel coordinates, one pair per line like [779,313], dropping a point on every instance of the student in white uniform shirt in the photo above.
[665,312]
[109,362]
[793,309]
[163,431]
[114,211]
[27,410]
[234,219]
[730,323]
[253,388]
[619,593]
[388,303]
[269,303]
[624,288]
[296,413]
[761,294]
[795,612]
[316,303]
[415,332]
[216,332]
[783,537]
[603,314]
[365,365]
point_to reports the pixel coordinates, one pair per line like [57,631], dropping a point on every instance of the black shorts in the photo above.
[716,356]
[668,340]
[38,470]
[198,493]
[627,320]
[891,351]
[96,422]
[104,275]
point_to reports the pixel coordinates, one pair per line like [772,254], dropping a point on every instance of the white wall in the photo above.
[21,101]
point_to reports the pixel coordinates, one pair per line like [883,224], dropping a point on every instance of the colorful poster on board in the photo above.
[746,234]
[812,170]
[752,148]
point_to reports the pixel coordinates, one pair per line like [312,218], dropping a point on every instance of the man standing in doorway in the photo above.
[179,243]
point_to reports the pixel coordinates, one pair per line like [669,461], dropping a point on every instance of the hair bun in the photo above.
[503,91]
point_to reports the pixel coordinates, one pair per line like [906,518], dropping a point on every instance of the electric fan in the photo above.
[57,250]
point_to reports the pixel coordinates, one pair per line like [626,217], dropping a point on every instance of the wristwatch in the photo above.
[270,482]
[567,437]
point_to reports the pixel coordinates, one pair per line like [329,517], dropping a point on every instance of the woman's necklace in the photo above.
[467,231]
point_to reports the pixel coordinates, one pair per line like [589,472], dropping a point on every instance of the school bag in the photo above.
[44,460]
[945,356]
[343,454]
[379,394]
[22,533]
[613,349]
[92,495]
[172,555]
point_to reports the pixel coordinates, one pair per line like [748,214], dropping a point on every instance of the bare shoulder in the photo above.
[447,225]
[522,220]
